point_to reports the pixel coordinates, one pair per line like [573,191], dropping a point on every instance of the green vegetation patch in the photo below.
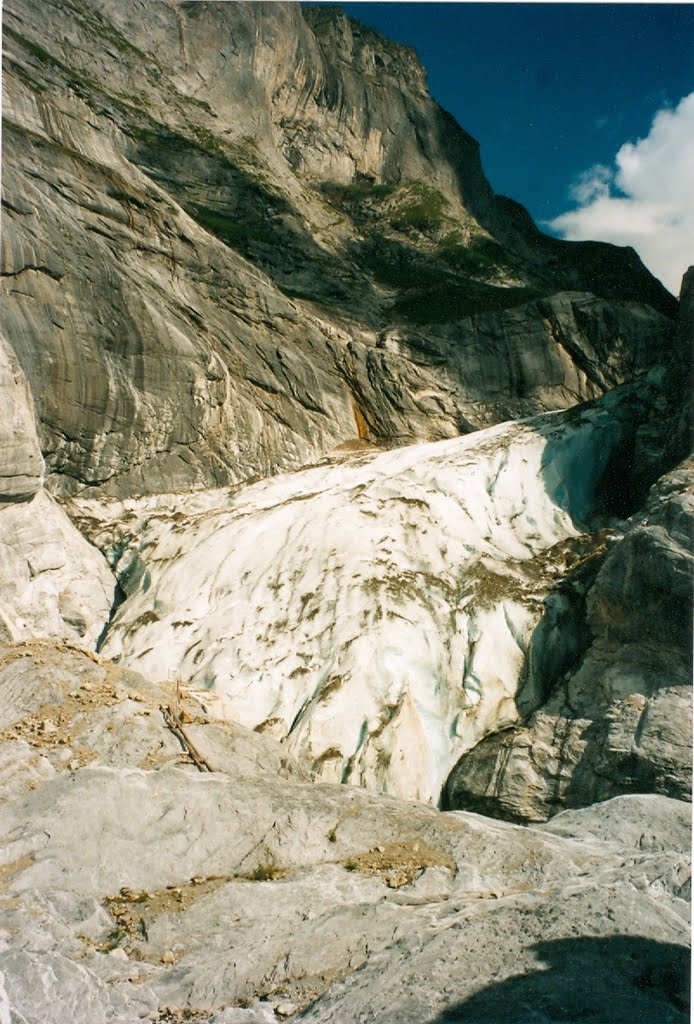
[483,256]
[421,208]
[350,196]
[242,210]
[21,72]
[159,143]
[397,266]
[44,57]
[94,21]
[363,201]
[448,303]
[228,229]
[321,19]
[228,164]
[267,871]
[192,7]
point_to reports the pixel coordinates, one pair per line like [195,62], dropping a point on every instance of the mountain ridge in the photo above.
[391,282]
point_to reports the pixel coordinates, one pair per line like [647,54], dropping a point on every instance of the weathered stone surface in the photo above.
[171,894]
[69,704]
[21,464]
[52,581]
[141,390]
[621,721]
[239,255]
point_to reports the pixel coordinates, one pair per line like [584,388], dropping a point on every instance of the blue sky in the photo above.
[550,90]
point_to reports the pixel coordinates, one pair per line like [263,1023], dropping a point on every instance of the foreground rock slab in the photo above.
[138,886]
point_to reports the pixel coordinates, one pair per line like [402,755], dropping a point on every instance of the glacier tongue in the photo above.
[376,614]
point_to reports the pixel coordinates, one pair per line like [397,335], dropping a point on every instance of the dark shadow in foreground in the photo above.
[617,980]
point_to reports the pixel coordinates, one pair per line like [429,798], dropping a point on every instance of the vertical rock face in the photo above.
[21,463]
[52,581]
[620,719]
[227,261]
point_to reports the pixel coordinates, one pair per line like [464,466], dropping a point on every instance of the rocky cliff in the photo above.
[345,549]
[269,244]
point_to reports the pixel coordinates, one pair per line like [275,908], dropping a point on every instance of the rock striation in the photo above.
[269,244]
[52,581]
[21,463]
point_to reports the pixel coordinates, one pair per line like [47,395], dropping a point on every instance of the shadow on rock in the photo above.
[602,980]
[606,696]
[505,775]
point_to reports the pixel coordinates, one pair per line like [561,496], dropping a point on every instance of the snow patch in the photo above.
[375,614]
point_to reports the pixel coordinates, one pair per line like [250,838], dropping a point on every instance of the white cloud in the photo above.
[592,184]
[646,200]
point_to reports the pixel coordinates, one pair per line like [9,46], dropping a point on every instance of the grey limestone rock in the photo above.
[52,581]
[245,235]
[21,463]
[620,720]
[153,890]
